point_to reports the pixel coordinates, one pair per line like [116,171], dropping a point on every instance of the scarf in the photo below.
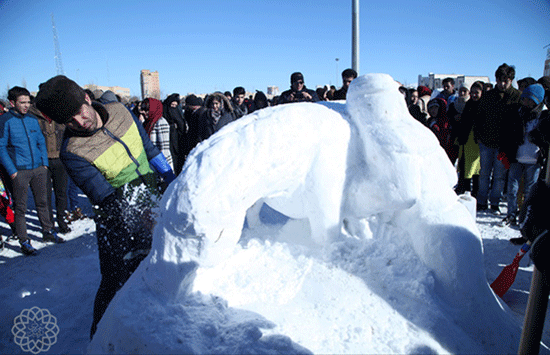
[155,113]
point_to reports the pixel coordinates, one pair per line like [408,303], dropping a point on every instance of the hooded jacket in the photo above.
[211,121]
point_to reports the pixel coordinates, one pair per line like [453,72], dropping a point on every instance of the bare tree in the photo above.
[5,94]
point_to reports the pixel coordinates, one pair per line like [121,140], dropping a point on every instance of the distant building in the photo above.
[273,90]
[150,86]
[124,93]
[435,81]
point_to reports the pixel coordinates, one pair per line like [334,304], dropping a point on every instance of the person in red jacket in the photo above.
[5,210]
[440,124]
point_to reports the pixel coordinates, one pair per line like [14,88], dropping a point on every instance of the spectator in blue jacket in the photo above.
[24,155]
[449,93]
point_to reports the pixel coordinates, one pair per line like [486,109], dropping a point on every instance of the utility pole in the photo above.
[336,82]
[58,63]
[547,62]
[355,35]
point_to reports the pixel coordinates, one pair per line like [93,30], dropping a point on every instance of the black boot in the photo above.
[518,241]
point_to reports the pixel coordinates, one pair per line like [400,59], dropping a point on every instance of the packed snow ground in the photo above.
[64,279]
[413,281]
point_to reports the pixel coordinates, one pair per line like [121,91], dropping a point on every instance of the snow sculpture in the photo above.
[338,171]
[352,170]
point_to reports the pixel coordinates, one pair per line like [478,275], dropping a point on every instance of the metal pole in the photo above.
[533,323]
[355,35]
[337,73]
[537,304]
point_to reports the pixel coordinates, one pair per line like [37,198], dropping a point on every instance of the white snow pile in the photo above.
[309,228]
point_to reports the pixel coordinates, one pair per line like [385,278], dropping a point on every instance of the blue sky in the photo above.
[204,46]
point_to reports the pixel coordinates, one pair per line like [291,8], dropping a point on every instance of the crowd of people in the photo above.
[492,134]
[123,157]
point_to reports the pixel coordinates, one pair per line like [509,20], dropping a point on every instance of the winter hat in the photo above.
[108,97]
[295,77]
[97,94]
[433,103]
[535,92]
[60,98]
[545,82]
[423,91]
[193,100]
[172,98]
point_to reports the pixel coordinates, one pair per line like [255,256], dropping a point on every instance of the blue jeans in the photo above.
[490,165]
[531,174]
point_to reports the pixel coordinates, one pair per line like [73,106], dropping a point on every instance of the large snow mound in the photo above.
[325,228]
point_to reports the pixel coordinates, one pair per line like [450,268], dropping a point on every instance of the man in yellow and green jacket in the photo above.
[109,156]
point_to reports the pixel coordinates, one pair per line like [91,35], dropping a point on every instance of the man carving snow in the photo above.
[110,157]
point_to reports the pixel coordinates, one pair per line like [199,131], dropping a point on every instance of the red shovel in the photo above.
[506,278]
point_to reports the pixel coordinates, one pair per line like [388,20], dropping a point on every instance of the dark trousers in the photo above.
[57,181]
[37,180]
[114,242]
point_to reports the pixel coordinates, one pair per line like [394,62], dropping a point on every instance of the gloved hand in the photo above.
[160,164]
[504,160]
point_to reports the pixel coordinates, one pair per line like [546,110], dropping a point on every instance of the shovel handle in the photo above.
[535,314]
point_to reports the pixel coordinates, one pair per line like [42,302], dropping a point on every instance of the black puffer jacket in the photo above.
[488,127]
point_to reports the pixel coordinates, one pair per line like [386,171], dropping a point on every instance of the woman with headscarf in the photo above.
[157,127]
[218,113]
[424,95]
[179,129]
[463,130]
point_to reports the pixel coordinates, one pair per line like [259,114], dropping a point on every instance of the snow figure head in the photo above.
[379,95]
[392,142]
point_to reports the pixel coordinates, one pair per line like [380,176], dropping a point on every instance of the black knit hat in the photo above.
[296,77]
[192,100]
[60,98]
